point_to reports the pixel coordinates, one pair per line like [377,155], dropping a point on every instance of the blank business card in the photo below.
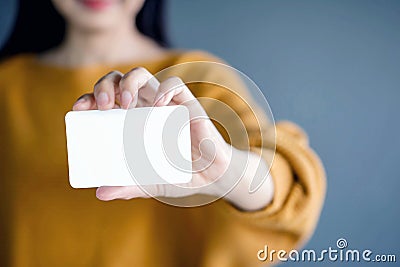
[119,147]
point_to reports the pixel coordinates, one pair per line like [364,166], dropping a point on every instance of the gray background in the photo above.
[334,68]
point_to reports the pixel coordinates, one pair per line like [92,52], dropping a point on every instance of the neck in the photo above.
[115,46]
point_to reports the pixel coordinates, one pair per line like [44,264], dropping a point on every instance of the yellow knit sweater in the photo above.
[45,222]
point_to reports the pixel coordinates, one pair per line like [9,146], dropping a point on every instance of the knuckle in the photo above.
[114,73]
[102,87]
[125,82]
[136,76]
[138,69]
[98,87]
[171,83]
[100,84]
[174,80]
[125,77]
[138,72]
[107,79]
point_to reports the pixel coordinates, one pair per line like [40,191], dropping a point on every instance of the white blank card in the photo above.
[119,147]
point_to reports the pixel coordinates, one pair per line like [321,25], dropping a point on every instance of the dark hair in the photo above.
[39,27]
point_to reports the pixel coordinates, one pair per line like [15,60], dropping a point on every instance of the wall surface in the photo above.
[334,68]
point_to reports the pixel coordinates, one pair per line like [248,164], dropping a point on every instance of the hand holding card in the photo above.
[163,144]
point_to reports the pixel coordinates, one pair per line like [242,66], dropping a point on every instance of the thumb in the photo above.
[107,193]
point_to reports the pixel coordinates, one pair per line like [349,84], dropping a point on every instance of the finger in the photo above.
[174,90]
[107,193]
[132,82]
[85,102]
[106,89]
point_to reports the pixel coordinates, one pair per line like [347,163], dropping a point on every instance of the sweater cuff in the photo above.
[299,181]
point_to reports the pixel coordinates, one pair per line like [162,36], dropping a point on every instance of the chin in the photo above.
[96,23]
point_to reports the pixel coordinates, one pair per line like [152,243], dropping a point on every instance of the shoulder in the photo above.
[12,72]
[197,55]
[198,65]
[14,63]
[13,67]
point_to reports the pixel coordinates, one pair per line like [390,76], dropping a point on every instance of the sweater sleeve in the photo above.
[297,173]
[290,219]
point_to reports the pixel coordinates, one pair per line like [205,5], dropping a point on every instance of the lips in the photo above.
[96,5]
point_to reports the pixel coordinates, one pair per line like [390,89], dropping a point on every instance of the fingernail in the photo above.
[126,99]
[102,99]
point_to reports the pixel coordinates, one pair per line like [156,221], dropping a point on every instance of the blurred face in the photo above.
[94,15]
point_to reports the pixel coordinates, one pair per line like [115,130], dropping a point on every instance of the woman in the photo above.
[47,223]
